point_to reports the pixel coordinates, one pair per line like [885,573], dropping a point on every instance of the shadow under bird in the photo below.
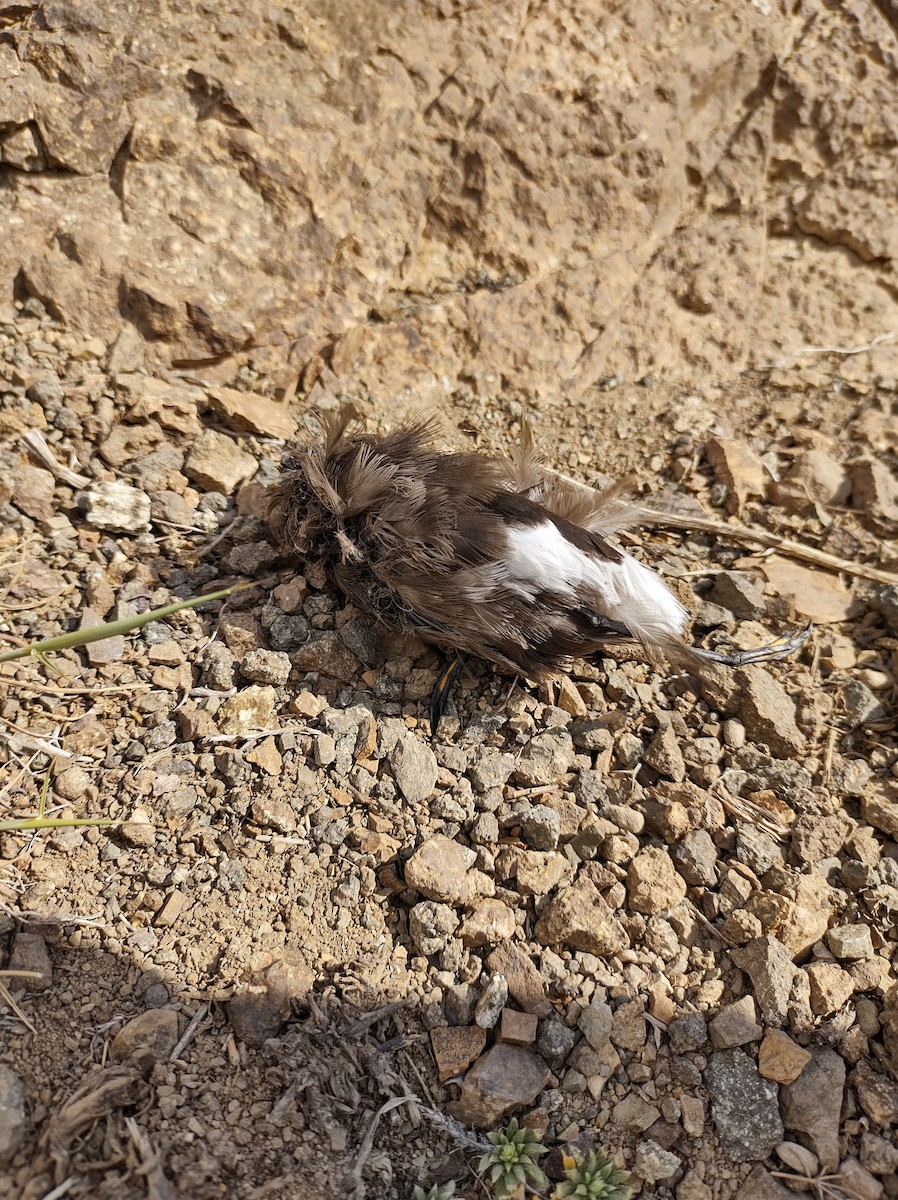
[497,558]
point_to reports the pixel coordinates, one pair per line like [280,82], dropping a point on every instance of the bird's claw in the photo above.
[440,696]
[782,647]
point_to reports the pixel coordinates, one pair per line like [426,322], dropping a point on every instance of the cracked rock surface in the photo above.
[637,909]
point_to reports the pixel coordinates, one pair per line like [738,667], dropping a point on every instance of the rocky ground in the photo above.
[645,911]
[642,910]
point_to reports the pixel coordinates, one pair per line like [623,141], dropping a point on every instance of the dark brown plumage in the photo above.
[497,558]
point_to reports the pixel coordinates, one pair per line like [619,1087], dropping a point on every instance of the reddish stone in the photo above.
[525,983]
[502,1081]
[455,1047]
[517,1028]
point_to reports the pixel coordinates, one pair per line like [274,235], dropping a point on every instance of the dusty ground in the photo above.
[247,843]
[631,225]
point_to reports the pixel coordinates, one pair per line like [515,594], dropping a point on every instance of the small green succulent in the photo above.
[438,1191]
[596,1177]
[512,1161]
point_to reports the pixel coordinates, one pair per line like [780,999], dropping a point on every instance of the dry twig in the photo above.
[189,1033]
[158,1187]
[355,1175]
[9,1000]
[783,545]
[63,1190]
[362,1023]
[100,1094]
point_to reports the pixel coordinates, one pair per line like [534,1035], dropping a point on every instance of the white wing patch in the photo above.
[646,606]
[540,558]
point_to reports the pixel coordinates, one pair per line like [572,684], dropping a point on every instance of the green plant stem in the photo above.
[98,633]
[52,822]
[42,822]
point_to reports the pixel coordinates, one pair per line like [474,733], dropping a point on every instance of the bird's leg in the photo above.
[440,696]
[781,648]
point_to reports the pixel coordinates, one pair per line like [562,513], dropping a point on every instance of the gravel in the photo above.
[690,885]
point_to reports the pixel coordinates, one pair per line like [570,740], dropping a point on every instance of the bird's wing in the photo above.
[600,510]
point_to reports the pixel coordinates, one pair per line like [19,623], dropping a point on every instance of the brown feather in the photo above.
[500,558]
[414,537]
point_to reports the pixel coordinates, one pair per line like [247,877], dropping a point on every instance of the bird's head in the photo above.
[304,508]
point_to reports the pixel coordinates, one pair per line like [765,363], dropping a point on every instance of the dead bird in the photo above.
[496,558]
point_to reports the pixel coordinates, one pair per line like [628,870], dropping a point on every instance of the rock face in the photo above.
[548,206]
[147,1038]
[443,870]
[263,1003]
[414,768]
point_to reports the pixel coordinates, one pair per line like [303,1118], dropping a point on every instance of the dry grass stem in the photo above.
[190,1032]
[752,814]
[109,629]
[783,545]
[64,1188]
[10,1001]
[37,444]
[880,340]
